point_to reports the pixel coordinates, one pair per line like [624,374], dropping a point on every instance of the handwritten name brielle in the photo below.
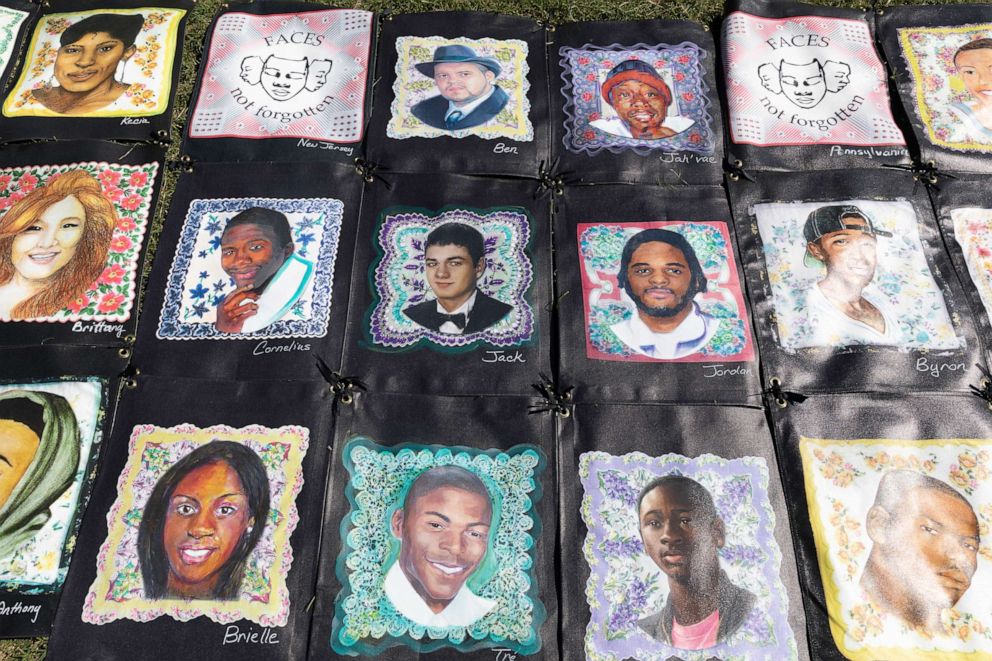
[233,634]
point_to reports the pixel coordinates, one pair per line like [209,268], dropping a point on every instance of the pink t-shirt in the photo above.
[697,636]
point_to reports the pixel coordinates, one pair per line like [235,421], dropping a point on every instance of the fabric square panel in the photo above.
[254,271]
[806,88]
[438,531]
[461,92]
[941,59]
[851,290]
[76,216]
[890,505]
[279,73]
[681,551]
[121,88]
[53,431]
[201,528]
[15,20]
[638,106]
[454,300]
[656,289]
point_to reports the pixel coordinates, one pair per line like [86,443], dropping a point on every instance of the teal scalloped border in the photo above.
[472,639]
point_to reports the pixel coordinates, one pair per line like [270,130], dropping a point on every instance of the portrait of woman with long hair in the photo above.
[53,245]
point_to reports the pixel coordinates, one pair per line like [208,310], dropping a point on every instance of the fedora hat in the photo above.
[457,54]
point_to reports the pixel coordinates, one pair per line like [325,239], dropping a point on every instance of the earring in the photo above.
[249,530]
[121,68]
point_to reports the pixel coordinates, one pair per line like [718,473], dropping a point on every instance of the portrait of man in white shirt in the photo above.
[443,530]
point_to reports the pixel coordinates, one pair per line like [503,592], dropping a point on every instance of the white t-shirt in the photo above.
[831,327]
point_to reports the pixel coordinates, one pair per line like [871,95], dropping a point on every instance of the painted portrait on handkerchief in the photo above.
[452,278]
[201,526]
[643,98]
[973,232]
[461,87]
[70,240]
[10,23]
[50,440]
[951,68]
[253,267]
[821,256]
[704,523]
[300,75]
[405,583]
[901,529]
[805,80]
[662,291]
[98,63]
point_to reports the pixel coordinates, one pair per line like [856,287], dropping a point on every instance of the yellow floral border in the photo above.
[168,63]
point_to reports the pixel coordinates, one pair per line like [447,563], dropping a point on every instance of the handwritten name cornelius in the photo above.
[266,636]
[263,348]
[18,608]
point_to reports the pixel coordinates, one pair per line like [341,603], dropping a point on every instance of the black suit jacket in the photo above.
[432,111]
[486,312]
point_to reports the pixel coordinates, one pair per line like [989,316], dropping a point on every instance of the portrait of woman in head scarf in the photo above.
[39,457]
[53,245]
[86,77]
[204,517]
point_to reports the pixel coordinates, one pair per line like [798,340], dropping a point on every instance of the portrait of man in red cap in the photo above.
[641,99]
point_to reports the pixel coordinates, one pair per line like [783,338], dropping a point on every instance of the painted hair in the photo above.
[51,471]
[695,492]
[458,234]
[72,280]
[674,239]
[270,219]
[977,44]
[896,484]
[119,26]
[151,546]
[455,477]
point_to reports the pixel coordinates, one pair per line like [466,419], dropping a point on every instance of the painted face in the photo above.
[206,518]
[84,65]
[659,278]
[462,83]
[803,84]
[933,541]
[681,538]
[249,254]
[975,69]
[283,79]
[850,253]
[451,274]
[445,535]
[44,247]
[18,445]
[638,104]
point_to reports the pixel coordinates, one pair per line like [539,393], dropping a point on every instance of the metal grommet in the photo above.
[564,411]
[738,163]
[775,381]
[124,352]
[879,11]
[347,398]
[130,339]
[733,176]
[984,383]
[131,383]
[781,402]
[567,395]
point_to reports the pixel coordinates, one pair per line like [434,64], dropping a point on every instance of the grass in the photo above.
[550,11]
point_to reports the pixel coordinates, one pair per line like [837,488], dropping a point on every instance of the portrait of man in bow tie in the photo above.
[469,95]
[454,261]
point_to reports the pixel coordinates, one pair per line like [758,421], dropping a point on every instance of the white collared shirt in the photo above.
[470,106]
[695,331]
[449,327]
[462,611]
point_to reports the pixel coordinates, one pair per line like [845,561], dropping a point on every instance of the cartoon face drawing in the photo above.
[805,85]
[283,78]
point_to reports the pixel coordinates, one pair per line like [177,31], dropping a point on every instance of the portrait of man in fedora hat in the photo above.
[469,95]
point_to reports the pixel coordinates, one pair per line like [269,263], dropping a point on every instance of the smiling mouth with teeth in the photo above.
[448,570]
[195,556]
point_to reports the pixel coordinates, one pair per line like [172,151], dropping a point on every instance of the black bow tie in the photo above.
[457,319]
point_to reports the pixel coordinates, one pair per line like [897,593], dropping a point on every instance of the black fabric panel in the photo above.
[471,154]
[619,441]
[908,417]
[802,157]
[97,333]
[891,22]
[18,38]
[506,356]
[170,346]
[643,161]
[274,149]
[598,376]
[807,364]
[462,424]
[138,128]
[172,402]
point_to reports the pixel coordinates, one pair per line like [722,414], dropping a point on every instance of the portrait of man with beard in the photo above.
[683,533]
[661,274]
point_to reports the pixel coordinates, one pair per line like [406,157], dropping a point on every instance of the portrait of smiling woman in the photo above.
[203,519]
[89,54]
[53,245]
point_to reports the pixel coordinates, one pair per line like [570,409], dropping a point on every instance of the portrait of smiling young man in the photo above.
[443,530]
